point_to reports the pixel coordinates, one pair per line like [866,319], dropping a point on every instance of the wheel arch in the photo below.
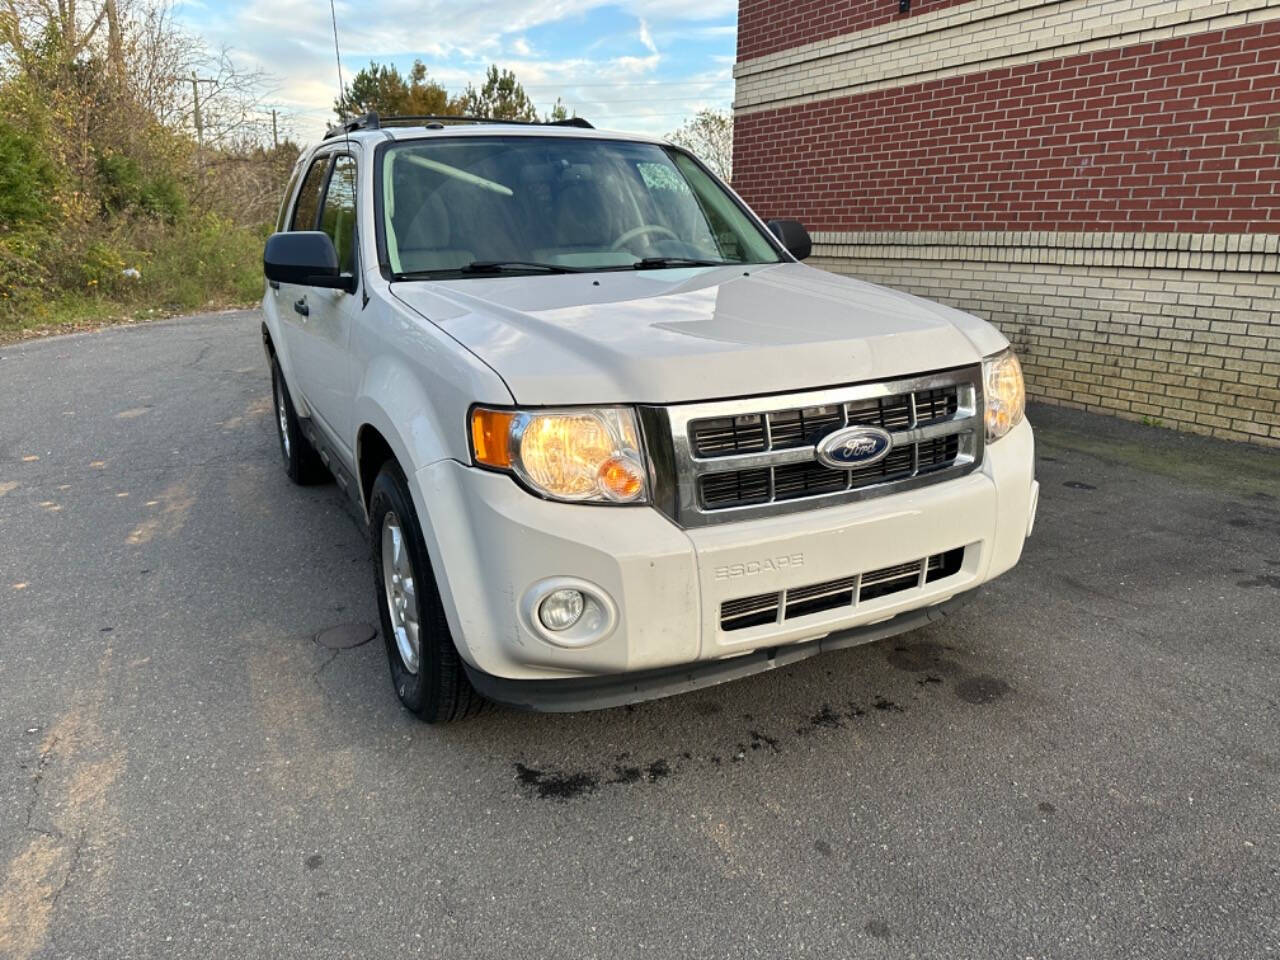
[372,451]
[399,411]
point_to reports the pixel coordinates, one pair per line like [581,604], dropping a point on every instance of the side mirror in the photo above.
[793,236]
[306,258]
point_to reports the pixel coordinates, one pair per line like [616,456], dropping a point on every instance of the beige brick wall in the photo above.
[1179,329]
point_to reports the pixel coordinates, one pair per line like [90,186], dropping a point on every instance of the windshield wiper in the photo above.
[487,267]
[660,263]
[514,266]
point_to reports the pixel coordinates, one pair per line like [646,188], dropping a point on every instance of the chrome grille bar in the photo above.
[769,478]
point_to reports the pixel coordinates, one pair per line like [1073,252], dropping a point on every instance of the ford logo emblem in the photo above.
[854,447]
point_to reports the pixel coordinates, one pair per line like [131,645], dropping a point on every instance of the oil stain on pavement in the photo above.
[929,662]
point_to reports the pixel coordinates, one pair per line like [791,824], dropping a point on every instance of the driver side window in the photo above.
[338,217]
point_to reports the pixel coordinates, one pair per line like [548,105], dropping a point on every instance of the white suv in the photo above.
[612,439]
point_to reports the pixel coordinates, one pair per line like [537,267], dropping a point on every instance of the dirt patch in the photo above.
[73,785]
[175,504]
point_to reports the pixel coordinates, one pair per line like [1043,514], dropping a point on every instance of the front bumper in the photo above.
[491,542]
[617,689]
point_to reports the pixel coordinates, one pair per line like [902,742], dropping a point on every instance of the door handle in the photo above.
[300,306]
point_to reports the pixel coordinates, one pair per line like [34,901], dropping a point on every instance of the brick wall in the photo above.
[1183,134]
[1101,180]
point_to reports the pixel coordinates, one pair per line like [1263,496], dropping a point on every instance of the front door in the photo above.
[291,301]
[324,356]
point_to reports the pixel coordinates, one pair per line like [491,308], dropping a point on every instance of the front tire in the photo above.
[425,667]
[301,462]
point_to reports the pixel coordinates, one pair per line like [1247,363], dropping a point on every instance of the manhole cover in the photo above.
[345,636]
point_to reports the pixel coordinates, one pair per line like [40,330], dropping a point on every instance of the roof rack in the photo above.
[371,121]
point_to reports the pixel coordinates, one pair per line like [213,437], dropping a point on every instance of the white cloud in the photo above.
[646,38]
[293,41]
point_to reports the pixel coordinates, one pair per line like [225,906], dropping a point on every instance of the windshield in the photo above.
[465,206]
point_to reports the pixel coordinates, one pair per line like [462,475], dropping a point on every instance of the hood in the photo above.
[671,336]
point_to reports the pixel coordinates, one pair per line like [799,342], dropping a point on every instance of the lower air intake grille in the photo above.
[749,612]
[881,583]
[767,608]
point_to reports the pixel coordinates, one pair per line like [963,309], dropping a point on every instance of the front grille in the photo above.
[747,458]
[736,487]
[782,429]
[934,405]
[783,605]
[725,435]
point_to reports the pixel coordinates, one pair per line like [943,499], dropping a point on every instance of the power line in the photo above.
[628,83]
[610,103]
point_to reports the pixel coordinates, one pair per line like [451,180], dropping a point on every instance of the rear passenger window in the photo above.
[308,205]
[338,219]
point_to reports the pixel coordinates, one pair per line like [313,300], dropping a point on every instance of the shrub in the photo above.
[22,267]
[125,188]
[202,261]
[28,179]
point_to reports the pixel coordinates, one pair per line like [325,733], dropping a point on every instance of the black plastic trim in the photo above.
[330,458]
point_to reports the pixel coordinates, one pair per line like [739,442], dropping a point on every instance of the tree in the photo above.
[380,88]
[709,135]
[501,97]
[559,112]
[57,31]
[426,97]
[100,168]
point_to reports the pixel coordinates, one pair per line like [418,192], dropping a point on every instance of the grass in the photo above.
[73,314]
[204,264]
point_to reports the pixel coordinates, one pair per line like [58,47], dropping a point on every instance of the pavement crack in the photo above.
[315,674]
[45,758]
[195,361]
[76,853]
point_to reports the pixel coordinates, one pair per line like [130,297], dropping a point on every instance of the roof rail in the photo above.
[368,121]
[372,121]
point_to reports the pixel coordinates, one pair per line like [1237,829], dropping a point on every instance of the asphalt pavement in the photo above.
[1083,762]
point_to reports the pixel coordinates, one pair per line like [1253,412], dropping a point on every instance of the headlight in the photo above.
[579,455]
[1006,395]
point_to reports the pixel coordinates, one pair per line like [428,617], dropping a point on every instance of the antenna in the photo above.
[342,87]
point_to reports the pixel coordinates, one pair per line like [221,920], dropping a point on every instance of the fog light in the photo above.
[561,609]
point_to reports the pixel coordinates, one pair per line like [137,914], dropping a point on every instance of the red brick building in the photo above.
[1100,178]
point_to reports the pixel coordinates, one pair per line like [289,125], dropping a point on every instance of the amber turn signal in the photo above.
[491,437]
[621,479]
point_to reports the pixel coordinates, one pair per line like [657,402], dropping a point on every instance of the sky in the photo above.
[642,65]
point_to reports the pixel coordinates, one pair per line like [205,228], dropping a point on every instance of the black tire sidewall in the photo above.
[280,394]
[420,692]
[301,462]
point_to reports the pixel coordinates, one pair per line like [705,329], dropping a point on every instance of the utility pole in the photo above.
[275,137]
[195,109]
[195,114]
